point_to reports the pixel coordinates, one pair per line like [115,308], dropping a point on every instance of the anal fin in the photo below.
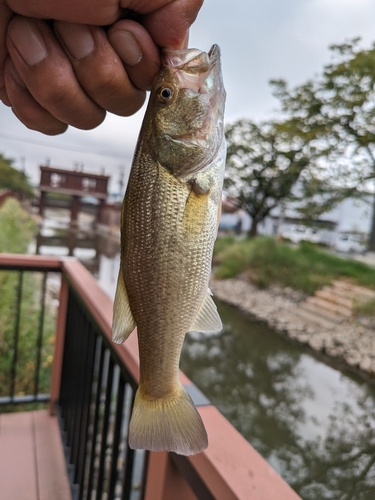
[208,319]
[123,322]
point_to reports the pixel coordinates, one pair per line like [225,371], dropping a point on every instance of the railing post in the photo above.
[163,479]
[59,344]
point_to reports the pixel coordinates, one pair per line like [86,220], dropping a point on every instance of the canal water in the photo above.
[313,423]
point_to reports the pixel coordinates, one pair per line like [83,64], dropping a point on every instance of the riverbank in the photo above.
[350,341]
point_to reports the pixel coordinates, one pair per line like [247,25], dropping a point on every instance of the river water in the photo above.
[312,422]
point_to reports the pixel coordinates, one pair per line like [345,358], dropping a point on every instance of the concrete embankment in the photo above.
[324,322]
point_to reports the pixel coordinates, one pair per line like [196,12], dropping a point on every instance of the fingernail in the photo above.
[28,41]
[126,47]
[77,39]
[15,75]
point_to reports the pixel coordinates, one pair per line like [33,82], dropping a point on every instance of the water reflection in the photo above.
[315,425]
[99,253]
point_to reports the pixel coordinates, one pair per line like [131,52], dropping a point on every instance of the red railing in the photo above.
[229,469]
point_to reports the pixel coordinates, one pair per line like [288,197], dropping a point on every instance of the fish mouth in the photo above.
[200,72]
[214,52]
[192,61]
[193,69]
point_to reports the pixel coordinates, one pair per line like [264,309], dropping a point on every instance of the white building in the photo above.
[349,222]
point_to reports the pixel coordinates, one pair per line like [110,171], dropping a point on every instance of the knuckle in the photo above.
[54,92]
[113,92]
[106,82]
[67,101]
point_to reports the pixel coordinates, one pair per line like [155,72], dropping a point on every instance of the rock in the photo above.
[350,341]
[365,363]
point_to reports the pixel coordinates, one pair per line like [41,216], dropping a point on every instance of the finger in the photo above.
[137,51]
[100,12]
[25,107]
[5,15]
[169,25]
[98,68]
[48,74]
[4,97]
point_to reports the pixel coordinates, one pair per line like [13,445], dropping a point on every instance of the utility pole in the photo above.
[121,179]
[23,160]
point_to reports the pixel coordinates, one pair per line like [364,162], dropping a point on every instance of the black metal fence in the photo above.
[27,326]
[96,399]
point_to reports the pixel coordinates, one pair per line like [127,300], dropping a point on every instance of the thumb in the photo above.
[169,25]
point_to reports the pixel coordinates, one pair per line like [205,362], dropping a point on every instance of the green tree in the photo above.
[263,165]
[16,227]
[335,113]
[13,179]
[16,230]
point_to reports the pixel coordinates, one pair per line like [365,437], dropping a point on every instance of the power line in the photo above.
[62,148]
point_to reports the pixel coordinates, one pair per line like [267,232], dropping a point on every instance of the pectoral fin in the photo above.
[123,322]
[208,319]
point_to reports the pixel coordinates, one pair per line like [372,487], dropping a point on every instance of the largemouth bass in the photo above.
[169,224]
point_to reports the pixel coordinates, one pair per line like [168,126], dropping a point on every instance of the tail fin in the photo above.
[172,424]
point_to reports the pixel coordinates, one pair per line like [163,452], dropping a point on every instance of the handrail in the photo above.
[16,262]
[229,469]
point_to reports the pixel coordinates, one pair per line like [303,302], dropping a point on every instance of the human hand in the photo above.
[70,71]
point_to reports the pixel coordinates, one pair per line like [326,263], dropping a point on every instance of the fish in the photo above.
[169,223]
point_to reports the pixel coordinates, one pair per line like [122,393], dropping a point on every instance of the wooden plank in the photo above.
[51,467]
[331,307]
[328,293]
[18,478]
[354,289]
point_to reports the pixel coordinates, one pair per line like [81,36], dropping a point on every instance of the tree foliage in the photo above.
[17,229]
[13,179]
[263,165]
[336,113]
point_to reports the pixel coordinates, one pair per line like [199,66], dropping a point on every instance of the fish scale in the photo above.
[169,225]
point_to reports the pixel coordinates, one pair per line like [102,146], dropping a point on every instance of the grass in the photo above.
[306,267]
[16,229]
[366,308]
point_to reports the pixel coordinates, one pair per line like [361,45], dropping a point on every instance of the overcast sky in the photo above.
[260,40]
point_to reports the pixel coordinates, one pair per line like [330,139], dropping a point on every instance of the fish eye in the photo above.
[164,94]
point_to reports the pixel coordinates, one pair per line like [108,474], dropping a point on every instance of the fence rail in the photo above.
[92,391]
